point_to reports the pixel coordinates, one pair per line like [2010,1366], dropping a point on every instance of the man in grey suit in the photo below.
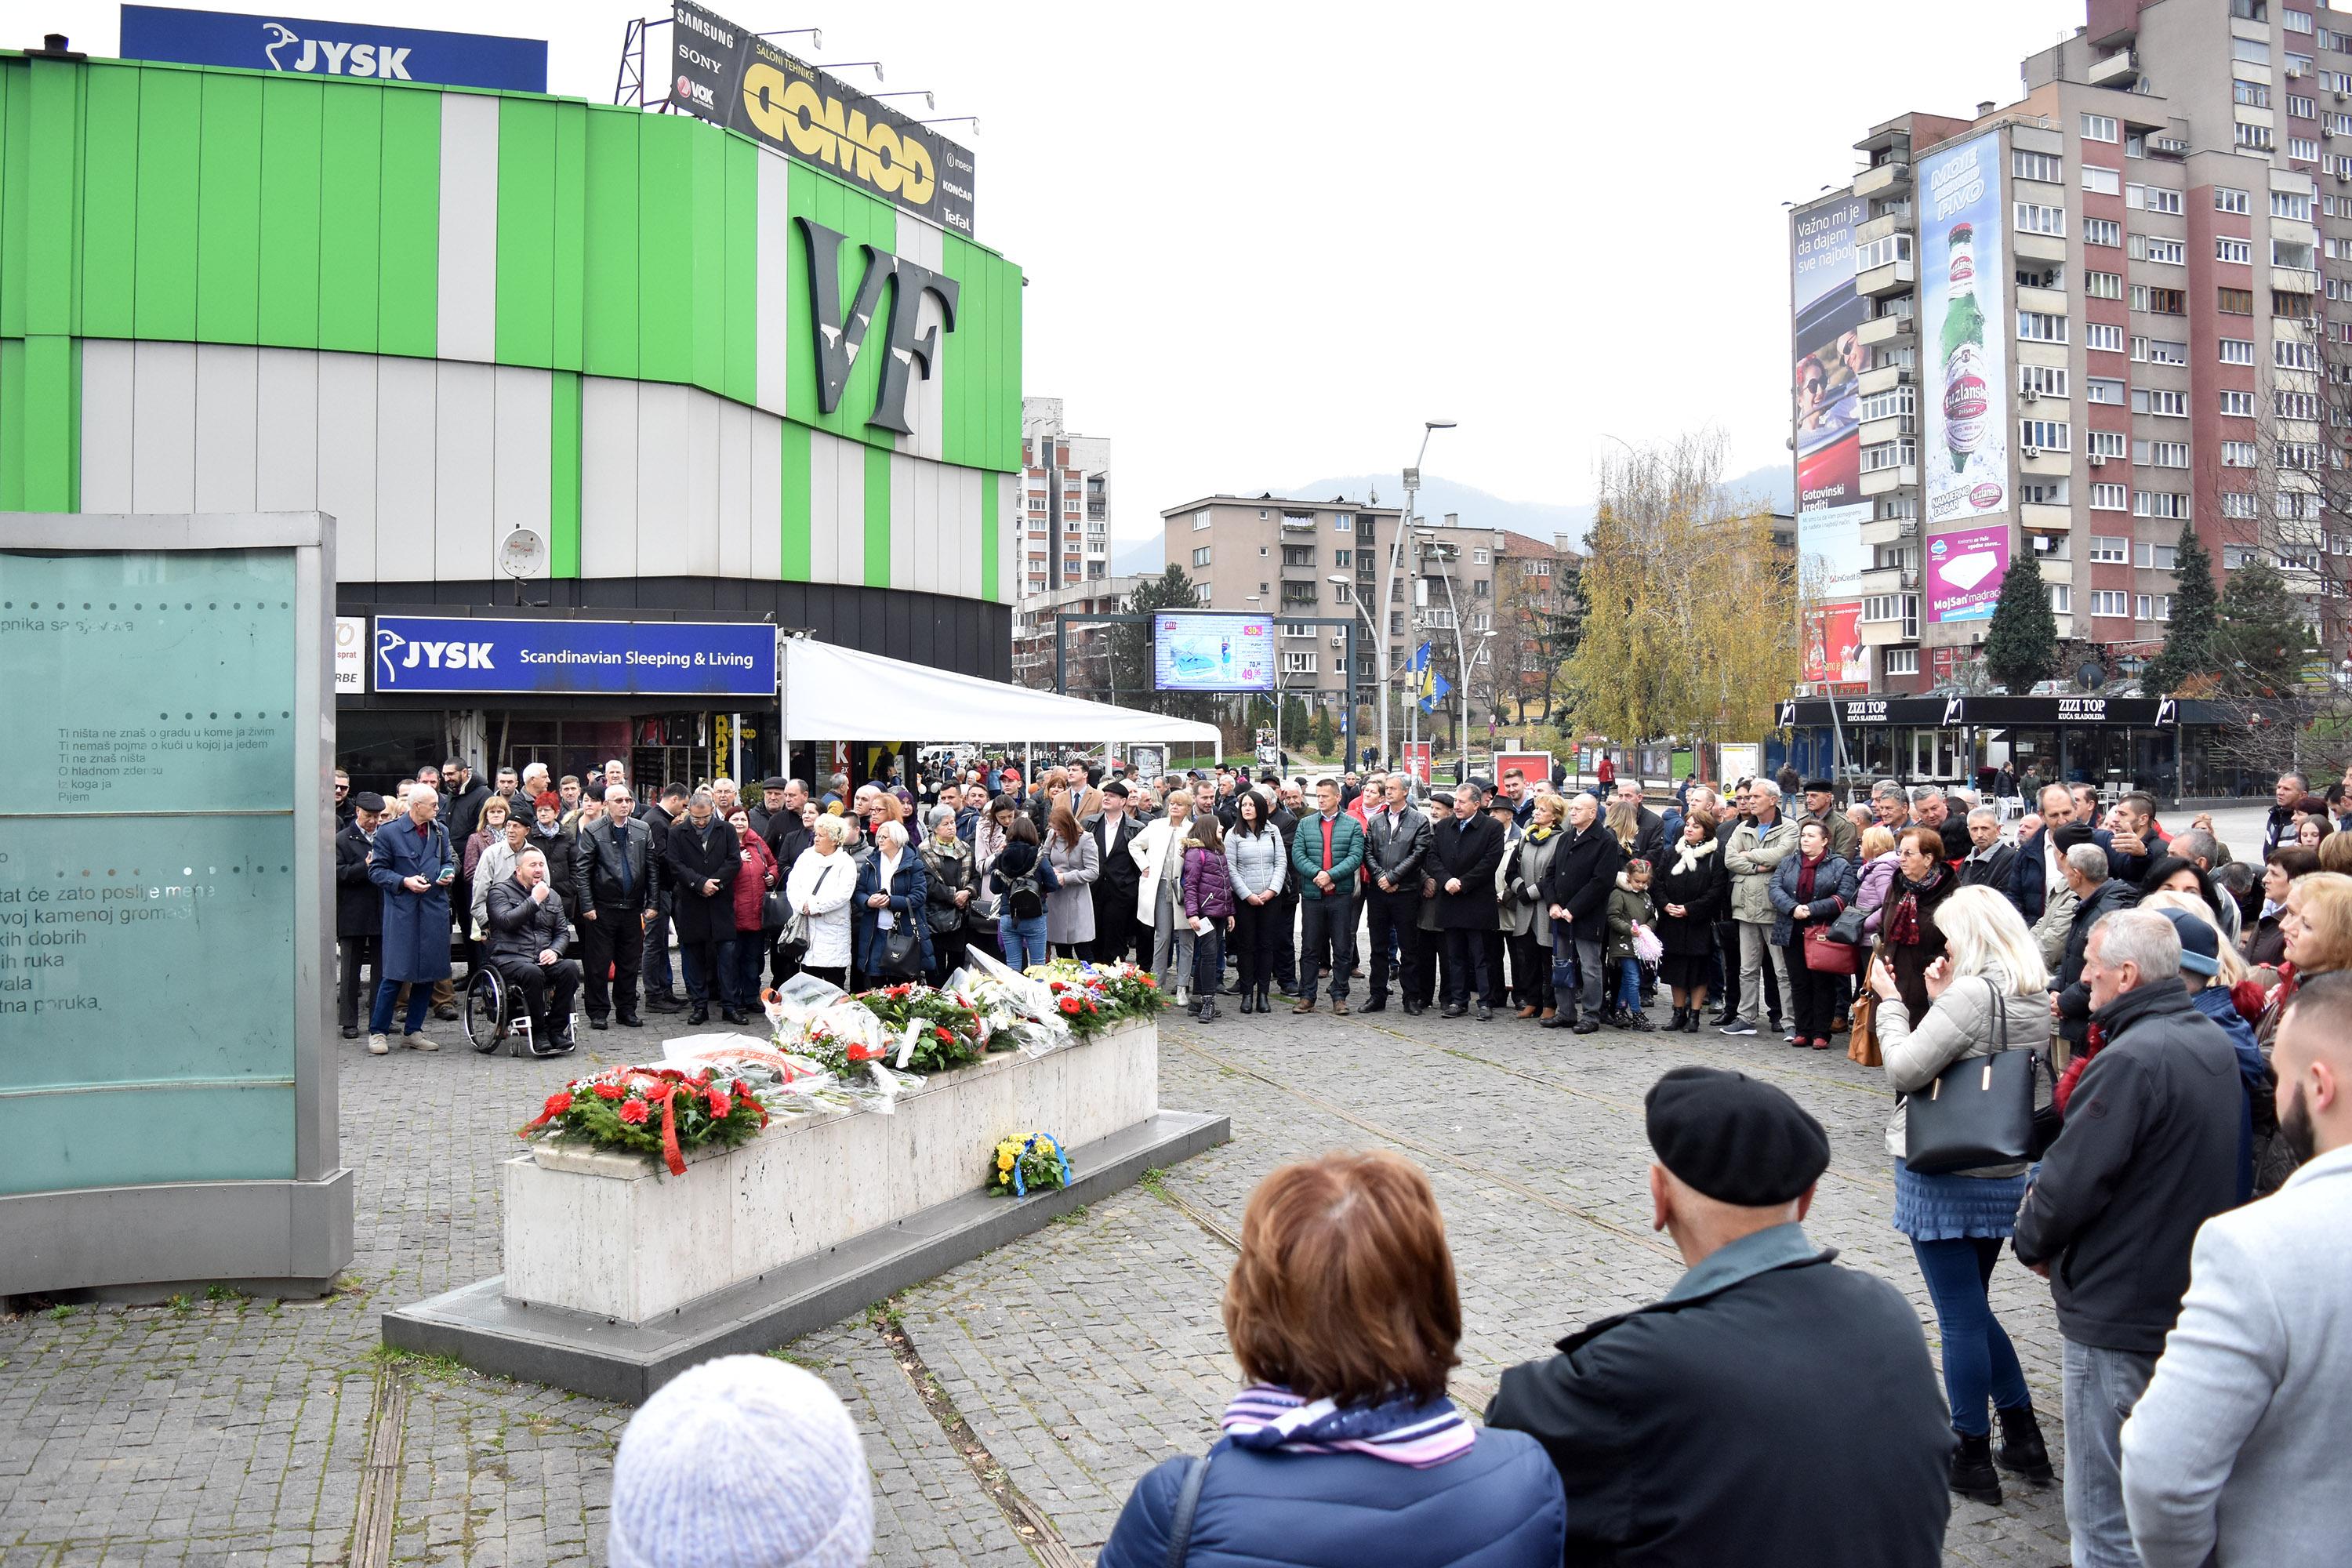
[2236,1452]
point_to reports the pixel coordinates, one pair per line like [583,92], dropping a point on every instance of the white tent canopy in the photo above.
[833,694]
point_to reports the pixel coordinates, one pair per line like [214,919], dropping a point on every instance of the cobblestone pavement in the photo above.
[218,1431]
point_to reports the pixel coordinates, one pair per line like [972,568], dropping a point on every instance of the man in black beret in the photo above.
[1774,1407]
[1820,806]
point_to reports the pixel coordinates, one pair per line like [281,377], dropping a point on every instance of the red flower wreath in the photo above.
[635,1111]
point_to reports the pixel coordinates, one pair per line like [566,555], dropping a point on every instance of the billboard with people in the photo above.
[1827,313]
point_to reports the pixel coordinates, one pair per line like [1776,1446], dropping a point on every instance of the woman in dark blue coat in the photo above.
[1344,1451]
[900,889]
[1811,887]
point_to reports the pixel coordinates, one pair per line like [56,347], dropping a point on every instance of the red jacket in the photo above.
[759,874]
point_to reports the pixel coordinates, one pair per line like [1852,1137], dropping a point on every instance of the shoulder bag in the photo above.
[1979,1110]
[1188,1502]
[1846,928]
[1825,954]
[1862,1024]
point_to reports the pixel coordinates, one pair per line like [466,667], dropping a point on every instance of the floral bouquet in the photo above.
[947,1030]
[652,1111]
[1092,998]
[1022,1164]
[844,1058]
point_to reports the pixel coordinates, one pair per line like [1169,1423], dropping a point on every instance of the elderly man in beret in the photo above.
[1774,1406]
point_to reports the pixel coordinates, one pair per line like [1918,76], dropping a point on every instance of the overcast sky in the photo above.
[1265,241]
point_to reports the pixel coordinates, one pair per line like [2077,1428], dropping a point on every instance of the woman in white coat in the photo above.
[819,889]
[1158,853]
[1070,907]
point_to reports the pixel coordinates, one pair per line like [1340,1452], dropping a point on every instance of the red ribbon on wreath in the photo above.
[671,1155]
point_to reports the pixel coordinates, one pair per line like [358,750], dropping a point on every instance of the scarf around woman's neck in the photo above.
[1903,929]
[1403,1430]
[1687,854]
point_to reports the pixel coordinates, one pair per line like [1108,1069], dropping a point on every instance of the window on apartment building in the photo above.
[2154,607]
[1345,522]
[2102,389]
[2152,198]
[2287,353]
[2237,350]
[2154,557]
[1889,455]
[2104,335]
[2159,350]
[2110,498]
[1479,557]
[2295,405]
[2254,52]
[2098,128]
[2238,504]
[2110,549]
[2302,454]
[2110,602]
[2303,147]
[2061,599]
[2166,454]
[2043,166]
[1883,252]
[1297,663]
[2159,401]
[1200,521]
[2238,454]
[1535,568]
[1200,556]
[2296,204]
[2106,443]
[2041,327]
[2045,380]
[2296,21]
[2049,435]
[2159,302]
[2300,107]
[1901,661]
[2160,503]
[1341,593]
[2230,199]
[1896,507]
[2035,218]
[1896,402]
[2102,231]
[2050,277]
[2234,301]
[2238,405]
[1879,607]
[2291,253]
[2105,182]
[2102,285]
[1201,594]
[2042,492]
[1342,558]
[1482,588]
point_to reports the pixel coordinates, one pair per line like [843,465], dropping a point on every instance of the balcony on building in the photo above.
[2040,463]
[2294,281]
[1887,634]
[2045,519]
[1884,179]
[1876,530]
[1895,219]
[1894,328]
[1299,523]
[1889,580]
[2047,301]
[2031,247]
[2122,63]
[1894,278]
[1894,464]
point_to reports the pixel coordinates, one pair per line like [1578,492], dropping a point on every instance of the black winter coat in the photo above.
[1703,890]
[1583,873]
[693,855]
[2149,1152]
[562,859]
[597,878]
[520,928]
[1470,851]
[359,904]
[1789,1418]
[2074,996]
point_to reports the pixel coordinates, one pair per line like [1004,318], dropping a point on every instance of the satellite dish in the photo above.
[524,554]
[2090,676]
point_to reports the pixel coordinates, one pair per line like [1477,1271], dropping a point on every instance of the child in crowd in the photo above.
[1629,912]
[1209,905]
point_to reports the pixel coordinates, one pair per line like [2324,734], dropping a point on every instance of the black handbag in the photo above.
[1847,928]
[902,951]
[1978,1112]
[776,910]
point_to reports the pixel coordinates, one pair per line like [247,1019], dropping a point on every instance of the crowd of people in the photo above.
[2191,1010]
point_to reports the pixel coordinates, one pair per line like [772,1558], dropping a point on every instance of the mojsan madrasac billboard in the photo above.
[1827,311]
[1964,448]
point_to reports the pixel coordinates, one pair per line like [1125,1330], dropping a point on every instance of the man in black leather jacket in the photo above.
[613,887]
[527,936]
[1396,845]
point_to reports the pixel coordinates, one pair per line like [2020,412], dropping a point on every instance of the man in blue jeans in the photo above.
[2149,1154]
[1327,850]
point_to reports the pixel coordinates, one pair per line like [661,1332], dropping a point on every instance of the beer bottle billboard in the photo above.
[1967,407]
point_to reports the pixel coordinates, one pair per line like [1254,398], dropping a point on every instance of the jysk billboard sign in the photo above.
[635,658]
[730,77]
[301,46]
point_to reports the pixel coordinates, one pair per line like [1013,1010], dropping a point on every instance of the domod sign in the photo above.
[735,78]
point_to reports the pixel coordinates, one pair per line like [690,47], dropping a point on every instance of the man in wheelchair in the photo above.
[527,936]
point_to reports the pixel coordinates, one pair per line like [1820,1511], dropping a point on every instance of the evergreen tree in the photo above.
[2263,639]
[1324,740]
[1131,648]
[2188,638]
[1293,722]
[2020,646]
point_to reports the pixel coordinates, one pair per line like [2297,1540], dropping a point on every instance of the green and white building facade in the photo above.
[439,314]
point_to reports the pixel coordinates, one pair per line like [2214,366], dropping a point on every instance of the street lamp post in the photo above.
[1388,576]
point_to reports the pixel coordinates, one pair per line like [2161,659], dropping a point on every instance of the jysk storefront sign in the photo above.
[302,47]
[728,77]
[428,654]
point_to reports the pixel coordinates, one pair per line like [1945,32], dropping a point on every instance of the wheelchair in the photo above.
[495,1016]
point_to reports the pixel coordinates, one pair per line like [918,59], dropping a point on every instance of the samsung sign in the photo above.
[301,46]
[556,658]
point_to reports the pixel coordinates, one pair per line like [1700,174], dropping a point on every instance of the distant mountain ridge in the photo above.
[1774,485]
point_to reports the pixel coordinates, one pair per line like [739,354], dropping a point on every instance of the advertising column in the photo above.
[1964,454]
[1827,312]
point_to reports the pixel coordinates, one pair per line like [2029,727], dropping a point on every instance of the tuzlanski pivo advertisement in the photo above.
[1964,455]
[727,75]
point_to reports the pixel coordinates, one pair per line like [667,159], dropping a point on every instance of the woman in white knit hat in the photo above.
[742,1462]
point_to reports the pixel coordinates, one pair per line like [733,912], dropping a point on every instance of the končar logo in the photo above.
[319,58]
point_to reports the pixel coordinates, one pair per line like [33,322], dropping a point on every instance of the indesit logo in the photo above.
[319,58]
[431,655]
